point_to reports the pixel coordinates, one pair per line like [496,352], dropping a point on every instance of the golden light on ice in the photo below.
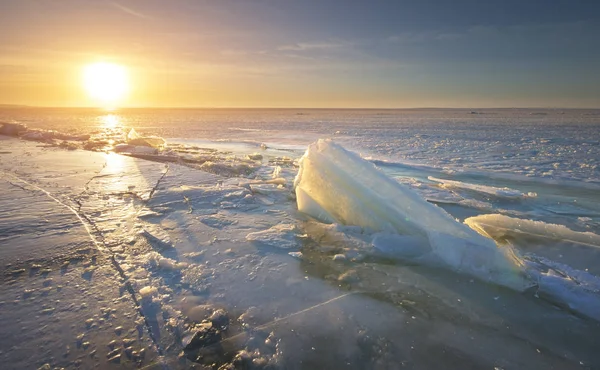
[107,83]
[110,121]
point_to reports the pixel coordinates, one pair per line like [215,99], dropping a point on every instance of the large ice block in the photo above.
[336,185]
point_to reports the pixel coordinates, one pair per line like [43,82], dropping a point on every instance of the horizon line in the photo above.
[286,108]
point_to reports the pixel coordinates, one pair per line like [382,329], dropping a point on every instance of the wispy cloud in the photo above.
[129,10]
[420,37]
[306,46]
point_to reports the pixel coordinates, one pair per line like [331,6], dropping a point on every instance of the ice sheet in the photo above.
[180,240]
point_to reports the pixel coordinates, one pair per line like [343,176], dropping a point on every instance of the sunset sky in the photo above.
[306,53]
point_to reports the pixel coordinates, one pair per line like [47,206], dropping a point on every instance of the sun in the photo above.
[107,83]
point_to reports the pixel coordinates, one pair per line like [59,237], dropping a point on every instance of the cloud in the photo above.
[306,46]
[421,37]
[129,10]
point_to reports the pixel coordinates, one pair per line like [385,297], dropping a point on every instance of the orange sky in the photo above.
[330,53]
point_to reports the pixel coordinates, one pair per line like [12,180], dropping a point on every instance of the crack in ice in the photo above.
[101,245]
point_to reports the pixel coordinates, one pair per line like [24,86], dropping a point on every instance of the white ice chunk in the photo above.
[255,156]
[485,189]
[44,135]
[563,291]
[281,236]
[576,290]
[265,189]
[133,138]
[335,184]
[148,291]
[156,237]
[157,260]
[140,149]
[12,129]
[499,226]
[277,172]
[123,148]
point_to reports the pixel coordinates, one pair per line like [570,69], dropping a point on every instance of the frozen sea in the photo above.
[196,254]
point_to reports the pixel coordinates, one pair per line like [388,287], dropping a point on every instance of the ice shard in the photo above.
[336,185]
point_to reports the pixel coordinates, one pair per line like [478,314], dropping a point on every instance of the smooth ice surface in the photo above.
[335,184]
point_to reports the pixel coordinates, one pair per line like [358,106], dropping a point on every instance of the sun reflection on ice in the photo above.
[115,163]
[111,126]
[123,174]
[110,121]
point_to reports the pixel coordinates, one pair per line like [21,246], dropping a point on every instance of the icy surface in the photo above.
[166,244]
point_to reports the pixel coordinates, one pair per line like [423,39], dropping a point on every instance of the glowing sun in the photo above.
[107,83]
